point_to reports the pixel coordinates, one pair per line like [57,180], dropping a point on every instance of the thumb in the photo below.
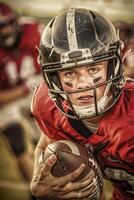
[46,168]
[49,163]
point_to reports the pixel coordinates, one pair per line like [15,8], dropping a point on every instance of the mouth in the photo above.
[88,99]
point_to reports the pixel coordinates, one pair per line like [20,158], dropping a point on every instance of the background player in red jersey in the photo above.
[19,74]
[84,98]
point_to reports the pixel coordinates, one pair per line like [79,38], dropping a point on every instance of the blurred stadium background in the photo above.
[43,11]
[46,9]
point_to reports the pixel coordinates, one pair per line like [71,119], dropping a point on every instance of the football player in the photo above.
[19,73]
[127,36]
[84,98]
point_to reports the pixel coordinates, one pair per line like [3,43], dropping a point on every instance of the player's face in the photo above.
[7,35]
[83,78]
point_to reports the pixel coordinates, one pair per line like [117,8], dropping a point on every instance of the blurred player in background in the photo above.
[85,98]
[19,75]
[126,31]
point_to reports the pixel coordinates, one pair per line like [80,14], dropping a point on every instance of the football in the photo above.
[69,157]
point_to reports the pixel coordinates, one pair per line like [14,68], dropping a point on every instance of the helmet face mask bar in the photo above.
[55,56]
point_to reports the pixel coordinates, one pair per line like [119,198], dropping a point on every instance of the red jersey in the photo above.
[116,129]
[19,62]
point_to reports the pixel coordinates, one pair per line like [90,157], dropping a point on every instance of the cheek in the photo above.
[100,91]
[99,79]
[102,88]
[68,86]
[72,98]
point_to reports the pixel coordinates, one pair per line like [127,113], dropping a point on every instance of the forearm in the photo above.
[37,153]
[40,148]
[12,94]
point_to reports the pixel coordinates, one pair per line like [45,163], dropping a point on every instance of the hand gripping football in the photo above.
[69,157]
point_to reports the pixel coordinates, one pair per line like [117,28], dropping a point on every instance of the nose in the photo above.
[84,81]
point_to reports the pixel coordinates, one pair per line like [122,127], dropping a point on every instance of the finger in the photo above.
[80,195]
[76,195]
[46,168]
[71,195]
[73,175]
[91,193]
[49,163]
[92,190]
[84,184]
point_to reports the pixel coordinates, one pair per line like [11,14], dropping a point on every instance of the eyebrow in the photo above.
[87,66]
[67,70]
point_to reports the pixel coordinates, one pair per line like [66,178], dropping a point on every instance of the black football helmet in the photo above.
[8,17]
[75,38]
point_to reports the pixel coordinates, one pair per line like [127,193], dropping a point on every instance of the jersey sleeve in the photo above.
[46,113]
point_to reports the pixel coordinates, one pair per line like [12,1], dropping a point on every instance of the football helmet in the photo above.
[8,17]
[75,38]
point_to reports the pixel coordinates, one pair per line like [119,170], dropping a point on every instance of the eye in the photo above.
[69,74]
[93,70]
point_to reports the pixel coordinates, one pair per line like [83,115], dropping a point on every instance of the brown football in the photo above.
[69,157]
